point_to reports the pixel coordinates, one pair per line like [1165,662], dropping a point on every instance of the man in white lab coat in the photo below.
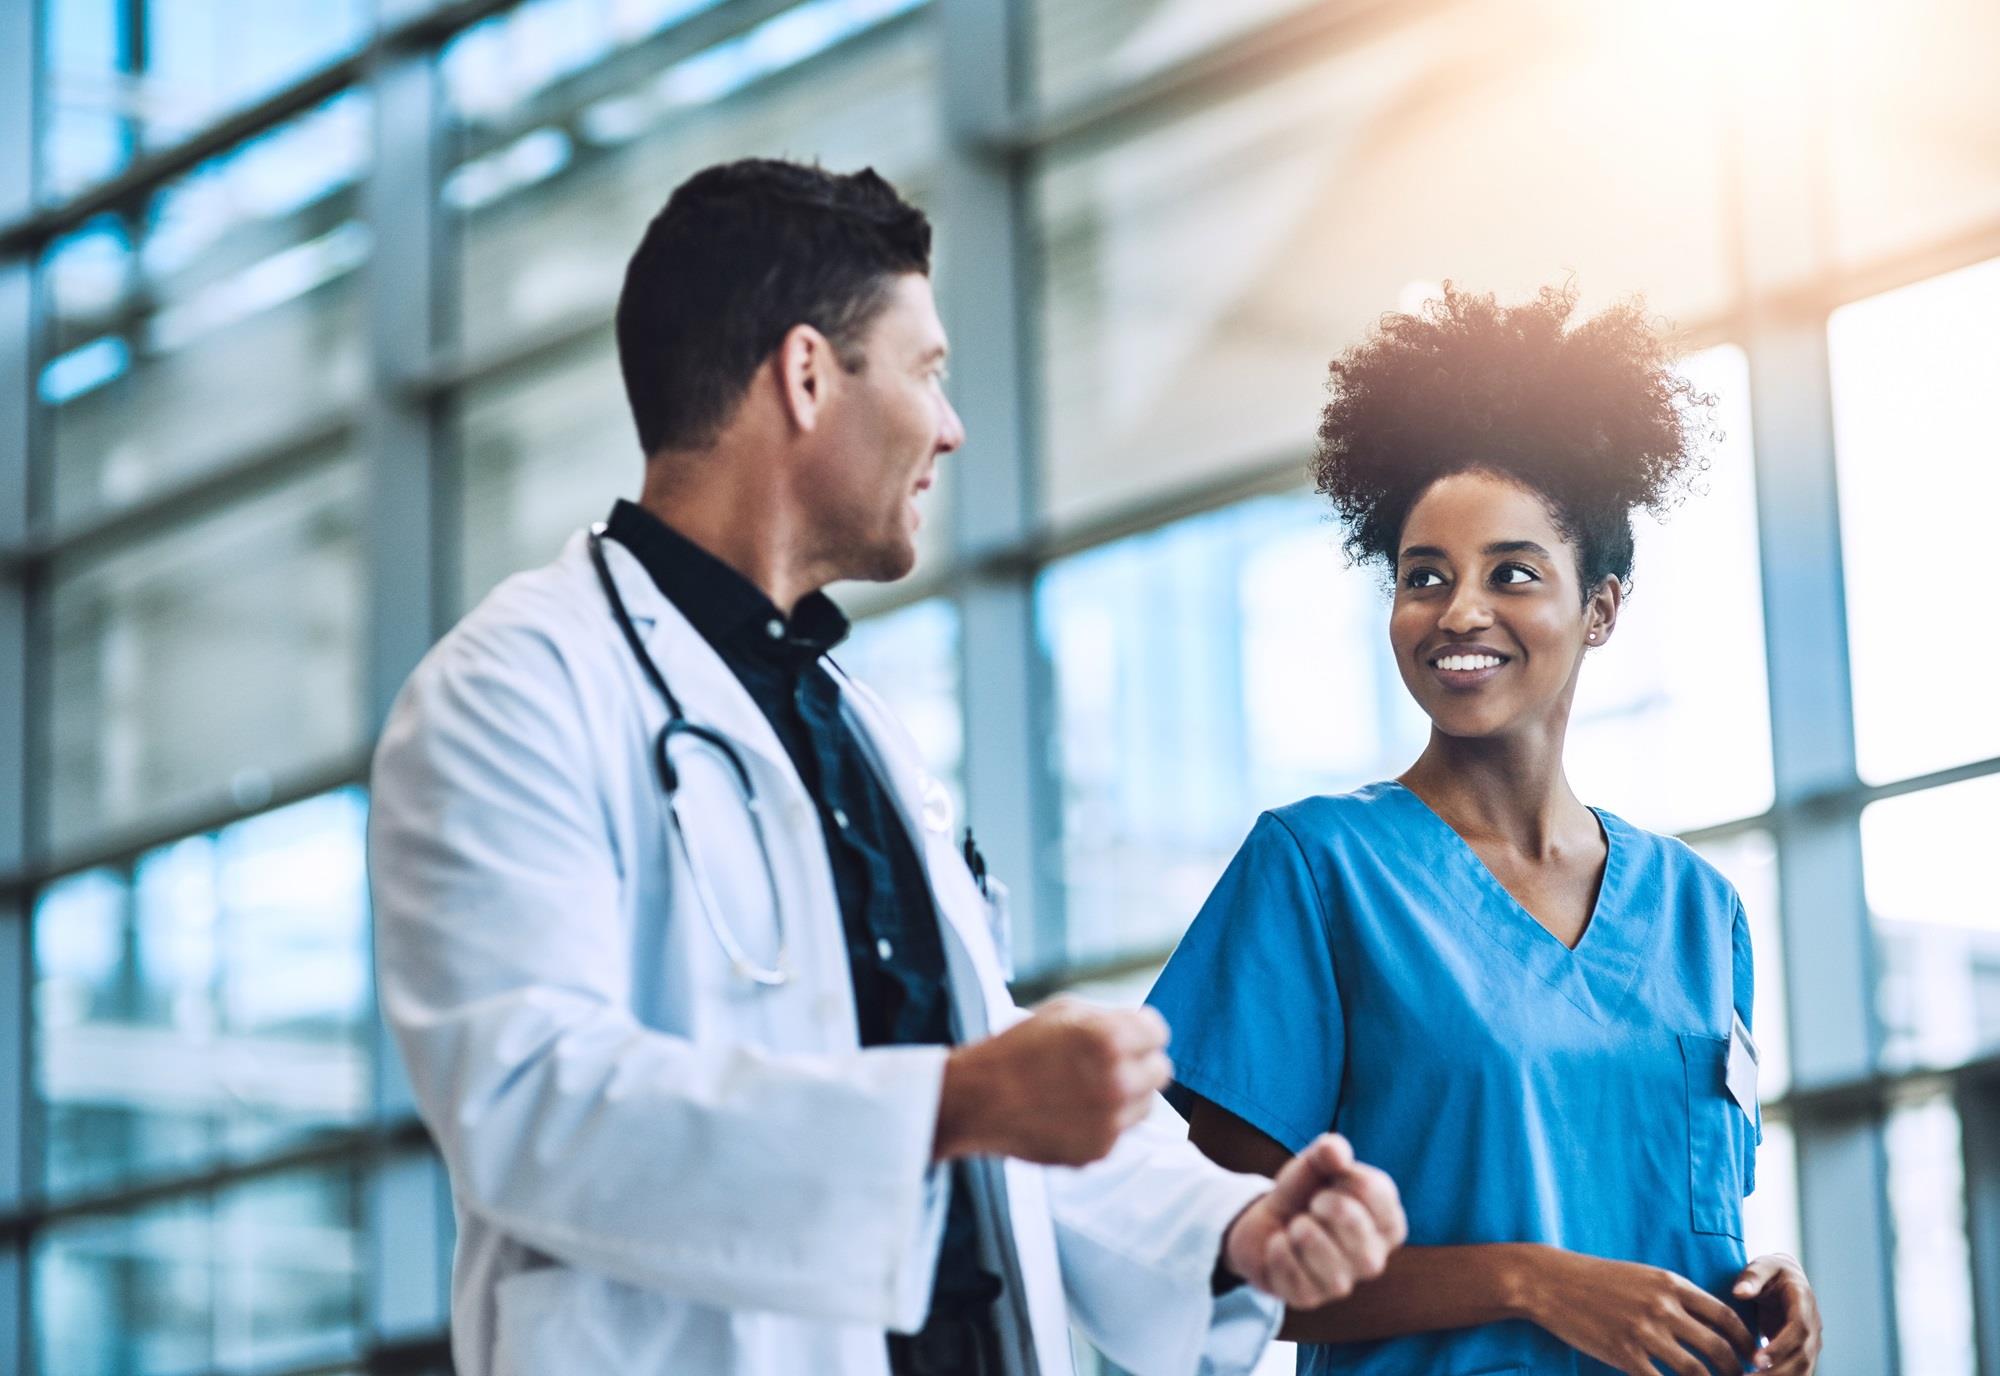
[702,1005]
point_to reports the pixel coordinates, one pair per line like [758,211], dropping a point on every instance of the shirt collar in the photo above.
[731,613]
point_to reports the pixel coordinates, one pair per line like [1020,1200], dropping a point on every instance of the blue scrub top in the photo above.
[1359,968]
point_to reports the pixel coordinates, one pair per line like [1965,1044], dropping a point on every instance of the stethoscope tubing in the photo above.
[779,971]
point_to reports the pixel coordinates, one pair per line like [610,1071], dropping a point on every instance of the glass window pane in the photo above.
[1205,671]
[1927,857]
[1771,1213]
[1083,45]
[910,658]
[1933,1268]
[1919,463]
[544,451]
[261,1276]
[558,170]
[1750,862]
[210,1005]
[123,76]
[1910,136]
[227,318]
[194,667]
[1672,725]
[1201,269]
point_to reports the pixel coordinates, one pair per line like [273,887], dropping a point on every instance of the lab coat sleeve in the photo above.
[722,1174]
[1139,1234]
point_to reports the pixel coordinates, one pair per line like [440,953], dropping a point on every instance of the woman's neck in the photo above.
[1510,790]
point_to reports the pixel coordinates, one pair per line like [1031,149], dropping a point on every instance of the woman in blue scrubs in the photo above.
[1531,1013]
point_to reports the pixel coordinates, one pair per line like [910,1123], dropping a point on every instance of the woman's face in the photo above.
[1489,622]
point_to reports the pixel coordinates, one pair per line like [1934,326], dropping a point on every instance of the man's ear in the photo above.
[805,364]
[1601,612]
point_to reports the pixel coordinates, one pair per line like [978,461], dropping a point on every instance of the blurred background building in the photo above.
[304,345]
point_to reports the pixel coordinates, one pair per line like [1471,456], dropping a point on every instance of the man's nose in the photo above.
[951,435]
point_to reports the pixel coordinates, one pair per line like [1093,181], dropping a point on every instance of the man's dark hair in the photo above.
[1592,417]
[741,253]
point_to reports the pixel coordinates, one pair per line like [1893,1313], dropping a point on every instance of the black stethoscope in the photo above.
[779,971]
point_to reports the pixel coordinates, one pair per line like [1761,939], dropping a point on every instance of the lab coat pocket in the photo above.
[1717,1137]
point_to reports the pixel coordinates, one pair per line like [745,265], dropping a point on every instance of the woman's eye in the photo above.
[1423,578]
[1515,573]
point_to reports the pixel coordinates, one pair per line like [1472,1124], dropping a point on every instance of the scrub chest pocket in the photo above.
[1718,1137]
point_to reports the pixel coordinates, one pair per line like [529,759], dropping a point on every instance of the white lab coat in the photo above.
[659,1167]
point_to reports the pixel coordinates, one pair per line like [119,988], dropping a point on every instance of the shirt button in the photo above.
[775,629]
[840,819]
[884,949]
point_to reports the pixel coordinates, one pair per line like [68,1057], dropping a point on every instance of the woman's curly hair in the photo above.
[1593,418]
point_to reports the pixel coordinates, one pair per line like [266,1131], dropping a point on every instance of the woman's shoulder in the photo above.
[1337,819]
[1675,866]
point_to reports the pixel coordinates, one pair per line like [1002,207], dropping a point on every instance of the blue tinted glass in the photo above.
[910,657]
[211,1005]
[124,77]
[223,319]
[262,1276]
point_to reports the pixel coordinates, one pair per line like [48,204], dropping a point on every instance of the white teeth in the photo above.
[1467,663]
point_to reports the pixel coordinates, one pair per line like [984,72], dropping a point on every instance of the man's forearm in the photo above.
[1425,1289]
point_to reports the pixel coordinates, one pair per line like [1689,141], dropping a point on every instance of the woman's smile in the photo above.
[1463,668]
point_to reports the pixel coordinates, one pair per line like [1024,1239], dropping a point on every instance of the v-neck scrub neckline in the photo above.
[1595,973]
[1358,968]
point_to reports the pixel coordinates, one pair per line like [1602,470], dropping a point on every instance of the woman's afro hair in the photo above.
[1592,417]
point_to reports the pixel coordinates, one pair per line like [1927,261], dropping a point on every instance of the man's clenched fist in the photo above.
[1056,1088]
[1328,1224]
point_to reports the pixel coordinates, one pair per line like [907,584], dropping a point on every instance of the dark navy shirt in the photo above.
[894,948]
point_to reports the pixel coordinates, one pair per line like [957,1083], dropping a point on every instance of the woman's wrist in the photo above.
[1524,1279]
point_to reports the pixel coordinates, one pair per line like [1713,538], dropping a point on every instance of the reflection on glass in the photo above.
[559,166]
[1080,45]
[1933,1266]
[1771,1213]
[1201,266]
[223,317]
[123,75]
[194,667]
[543,453]
[209,1005]
[1672,727]
[1750,862]
[910,658]
[1205,671]
[1913,374]
[1927,857]
[261,1276]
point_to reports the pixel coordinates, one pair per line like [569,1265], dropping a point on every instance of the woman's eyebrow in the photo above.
[1517,547]
[1423,552]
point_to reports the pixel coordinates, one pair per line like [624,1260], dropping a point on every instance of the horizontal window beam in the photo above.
[356,1146]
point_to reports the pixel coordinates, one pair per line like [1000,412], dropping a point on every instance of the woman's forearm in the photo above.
[1424,1289]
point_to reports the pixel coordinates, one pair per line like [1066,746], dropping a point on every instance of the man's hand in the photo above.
[1787,1313]
[1057,1088]
[1328,1224]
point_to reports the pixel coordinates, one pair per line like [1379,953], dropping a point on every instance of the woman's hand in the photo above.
[1631,1316]
[1787,1312]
